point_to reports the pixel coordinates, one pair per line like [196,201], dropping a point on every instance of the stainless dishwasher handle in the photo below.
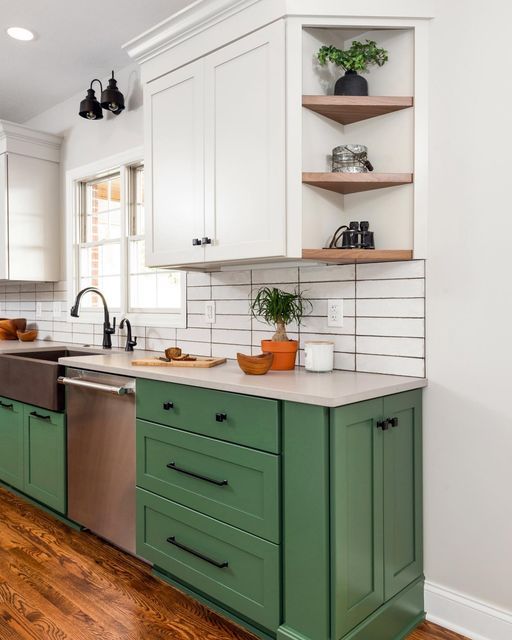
[95,386]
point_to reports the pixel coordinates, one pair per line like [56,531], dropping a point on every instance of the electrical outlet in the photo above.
[57,309]
[335,313]
[39,310]
[209,311]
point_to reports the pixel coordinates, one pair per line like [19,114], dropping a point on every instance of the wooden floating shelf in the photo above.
[355,182]
[350,109]
[351,256]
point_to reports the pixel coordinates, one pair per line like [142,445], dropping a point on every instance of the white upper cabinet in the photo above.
[241,124]
[174,134]
[215,155]
[29,204]
[245,148]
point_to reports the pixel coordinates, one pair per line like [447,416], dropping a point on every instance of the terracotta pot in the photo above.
[285,353]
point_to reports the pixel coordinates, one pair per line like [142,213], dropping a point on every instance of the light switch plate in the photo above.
[335,312]
[57,309]
[39,310]
[209,311]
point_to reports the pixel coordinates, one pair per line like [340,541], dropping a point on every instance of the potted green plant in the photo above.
[357,58]
[279,308]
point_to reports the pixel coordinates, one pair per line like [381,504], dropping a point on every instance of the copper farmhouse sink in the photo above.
[31,376]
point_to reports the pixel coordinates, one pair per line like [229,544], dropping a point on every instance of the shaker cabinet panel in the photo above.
[244,147]
[357,525]
[175,166]
[11,443]
[402,492]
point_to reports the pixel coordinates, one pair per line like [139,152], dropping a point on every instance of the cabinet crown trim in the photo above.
[185,24]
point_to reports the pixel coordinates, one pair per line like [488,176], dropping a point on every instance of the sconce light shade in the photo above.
[111,98]
[90,108]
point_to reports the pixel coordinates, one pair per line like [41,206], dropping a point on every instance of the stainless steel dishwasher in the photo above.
[101,454]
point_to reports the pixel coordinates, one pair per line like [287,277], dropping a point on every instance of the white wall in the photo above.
[468,418]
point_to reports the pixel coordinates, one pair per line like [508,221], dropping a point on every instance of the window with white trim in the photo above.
[109,251]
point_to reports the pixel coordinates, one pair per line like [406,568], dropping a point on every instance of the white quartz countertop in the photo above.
[325,389]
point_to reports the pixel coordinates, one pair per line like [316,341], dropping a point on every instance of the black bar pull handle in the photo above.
[218,483]
[40,417]
[221,417]
[382,424]
[4,405]
[172,540]
[168,405]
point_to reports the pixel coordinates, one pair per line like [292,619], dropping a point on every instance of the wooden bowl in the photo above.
[172,352]
[8,330]
[20,324]
[27,336]
[255,365]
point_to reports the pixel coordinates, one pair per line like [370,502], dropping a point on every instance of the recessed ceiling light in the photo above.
[19,33]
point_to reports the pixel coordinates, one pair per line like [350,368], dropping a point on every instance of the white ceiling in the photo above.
[77,40]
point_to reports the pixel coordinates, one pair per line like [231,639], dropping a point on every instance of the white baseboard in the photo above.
[471,618]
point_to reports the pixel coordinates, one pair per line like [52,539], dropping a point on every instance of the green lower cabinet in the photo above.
[45,457]
[357,524]
[11,443]
[352,520]
[237,570]
[403,528]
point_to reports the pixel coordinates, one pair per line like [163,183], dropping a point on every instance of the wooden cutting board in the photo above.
[201,363]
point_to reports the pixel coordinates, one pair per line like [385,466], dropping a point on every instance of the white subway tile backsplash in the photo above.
[275,276]
[413,288]
[334,272]
[384,310]
[231,277]
[411,347]
[390,364]
[402,327]
[227,336]
[390,270]
[231,292]
[391,307]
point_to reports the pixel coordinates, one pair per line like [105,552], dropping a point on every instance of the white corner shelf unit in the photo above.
[240,122]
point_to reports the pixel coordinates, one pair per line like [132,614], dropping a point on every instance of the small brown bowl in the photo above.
[7,330]
[27,336]
[255,365]
[172,352]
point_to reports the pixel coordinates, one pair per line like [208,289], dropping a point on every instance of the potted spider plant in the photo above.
[279,308]
[356,59]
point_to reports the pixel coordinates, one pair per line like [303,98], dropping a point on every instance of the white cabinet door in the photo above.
[34,219]
[174,133]
[245,215]
[4,228]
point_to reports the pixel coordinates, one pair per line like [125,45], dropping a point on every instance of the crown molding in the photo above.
[19,133]
[181,26]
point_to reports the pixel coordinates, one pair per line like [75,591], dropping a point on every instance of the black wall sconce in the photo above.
[111,100]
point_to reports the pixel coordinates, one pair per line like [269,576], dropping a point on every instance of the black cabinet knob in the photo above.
[221,417]
[393,422]
[168,405]
[206,241]
[196,242]
[383,424]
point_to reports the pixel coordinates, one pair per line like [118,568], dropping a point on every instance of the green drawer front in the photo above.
[234,484]
[246,579]
[253,422]
[11,443]
[45,457]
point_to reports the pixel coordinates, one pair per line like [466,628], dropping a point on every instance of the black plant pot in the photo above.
[351,84]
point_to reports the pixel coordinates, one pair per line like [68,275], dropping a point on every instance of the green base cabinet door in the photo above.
[45,457]
[11,443]
[357,514]
[403,539]
[376,494]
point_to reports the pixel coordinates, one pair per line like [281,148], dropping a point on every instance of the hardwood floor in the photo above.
[60,584]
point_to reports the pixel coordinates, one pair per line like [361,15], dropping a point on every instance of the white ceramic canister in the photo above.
[319,355]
